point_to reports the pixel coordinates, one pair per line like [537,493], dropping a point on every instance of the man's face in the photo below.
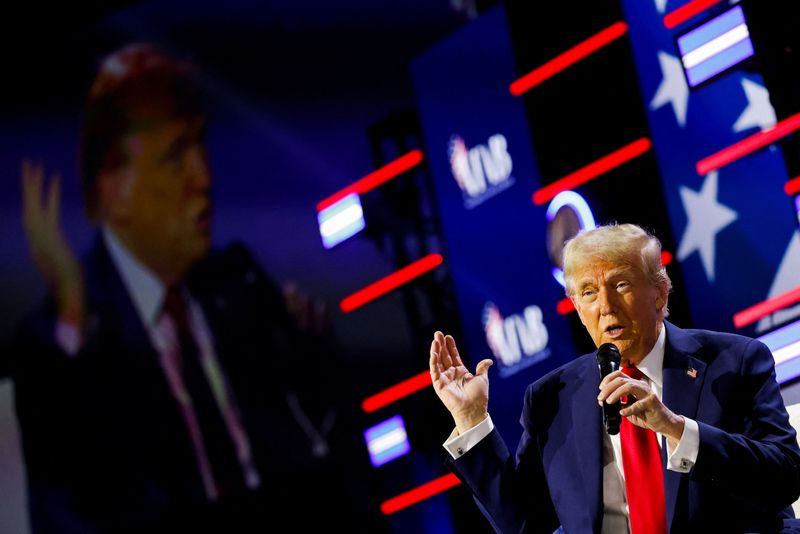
[163,204]
[618,304]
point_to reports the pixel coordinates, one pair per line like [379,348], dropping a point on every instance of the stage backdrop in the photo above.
[735,227]
[479,149]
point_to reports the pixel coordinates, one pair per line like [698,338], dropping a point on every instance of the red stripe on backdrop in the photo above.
[376,178]
[687,11]
[391,282]
[420,493]
[792,187]
[568,58]
[593,170]
[396,392]
[762,309]
[748,145]
[565,306]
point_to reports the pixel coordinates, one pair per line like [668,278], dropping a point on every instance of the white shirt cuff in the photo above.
[68,338]
[457,445]
[683,458]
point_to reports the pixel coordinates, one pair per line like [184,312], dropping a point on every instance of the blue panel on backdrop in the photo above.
[480,151]
[735,226]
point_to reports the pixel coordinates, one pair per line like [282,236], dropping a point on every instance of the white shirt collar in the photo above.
[652,364]
[144,287]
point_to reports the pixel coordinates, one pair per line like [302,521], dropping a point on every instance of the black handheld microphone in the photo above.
[608,362]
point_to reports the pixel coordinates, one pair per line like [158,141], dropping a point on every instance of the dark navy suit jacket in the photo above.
[747,471]
[105,446]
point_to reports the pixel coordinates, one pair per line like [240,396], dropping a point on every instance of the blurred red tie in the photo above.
[217,441]
[644,475]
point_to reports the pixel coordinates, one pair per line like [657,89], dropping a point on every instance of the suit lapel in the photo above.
[683,378]
[113,307]
[587,418]
[125,350]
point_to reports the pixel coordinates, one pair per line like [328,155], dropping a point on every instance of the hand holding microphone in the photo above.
[608,361]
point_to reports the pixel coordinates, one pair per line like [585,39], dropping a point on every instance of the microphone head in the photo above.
[607,352]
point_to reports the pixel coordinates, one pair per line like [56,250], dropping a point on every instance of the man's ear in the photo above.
[113,188]
[661,298]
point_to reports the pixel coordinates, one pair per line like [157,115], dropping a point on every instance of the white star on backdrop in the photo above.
[673,89]
[661,5]
[759,112]
[706,217]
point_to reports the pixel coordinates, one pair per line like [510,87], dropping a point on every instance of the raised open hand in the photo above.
[49,249]
[465,395]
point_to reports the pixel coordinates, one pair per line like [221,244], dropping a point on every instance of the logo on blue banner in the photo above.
[481,171]
[517,341]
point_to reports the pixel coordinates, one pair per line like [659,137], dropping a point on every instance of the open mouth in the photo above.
[614,330]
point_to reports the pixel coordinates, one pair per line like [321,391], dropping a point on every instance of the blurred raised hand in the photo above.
[52,255]
[310,314]
[464,394]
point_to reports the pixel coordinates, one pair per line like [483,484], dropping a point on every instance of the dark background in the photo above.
[299,88]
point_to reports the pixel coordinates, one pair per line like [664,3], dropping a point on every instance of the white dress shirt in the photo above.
[147,293]
[616,518]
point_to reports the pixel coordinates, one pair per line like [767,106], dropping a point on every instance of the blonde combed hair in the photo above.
[625,244]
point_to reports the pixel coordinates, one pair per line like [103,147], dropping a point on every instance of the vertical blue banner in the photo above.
[735,227]
[479,148]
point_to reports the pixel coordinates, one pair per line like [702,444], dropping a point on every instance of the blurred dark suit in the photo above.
[104,443]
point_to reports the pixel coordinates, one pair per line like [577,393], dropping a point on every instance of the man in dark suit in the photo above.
[705,443]
[157,388]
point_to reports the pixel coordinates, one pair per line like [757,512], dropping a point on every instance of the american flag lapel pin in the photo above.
[691,372]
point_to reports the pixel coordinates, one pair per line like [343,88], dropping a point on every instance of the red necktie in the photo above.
[217,441]
[644,475]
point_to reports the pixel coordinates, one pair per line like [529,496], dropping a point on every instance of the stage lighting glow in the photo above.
[420,493]
[341,220]
[387,441]
[687,11]
[572,200]
[785,346]
[593,170]
[748,145]
[784,354]
[715,46]
[568,58]
[797,206]
[577,203]
[792,187]
[376,178]
[397,392]
[558,274]
[390,283]
[565,306]
[762,309]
